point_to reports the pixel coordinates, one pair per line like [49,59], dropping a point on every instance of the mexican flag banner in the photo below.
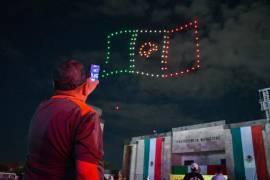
[148,159]
[152,158]
[249,153]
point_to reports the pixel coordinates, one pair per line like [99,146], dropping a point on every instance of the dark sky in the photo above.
[36,35]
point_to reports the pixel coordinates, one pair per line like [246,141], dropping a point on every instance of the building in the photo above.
[264,100]
[242,150]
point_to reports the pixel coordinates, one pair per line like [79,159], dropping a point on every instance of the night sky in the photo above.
[36,35]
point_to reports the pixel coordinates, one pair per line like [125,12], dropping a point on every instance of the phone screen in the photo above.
[94,72]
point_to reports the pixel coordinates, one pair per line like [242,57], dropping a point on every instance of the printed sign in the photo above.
[197,140]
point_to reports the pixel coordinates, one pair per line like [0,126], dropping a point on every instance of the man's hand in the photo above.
[91,85]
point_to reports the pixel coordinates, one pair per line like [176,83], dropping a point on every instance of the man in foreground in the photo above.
[65,136]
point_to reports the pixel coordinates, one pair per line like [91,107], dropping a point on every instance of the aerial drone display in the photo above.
[155,53]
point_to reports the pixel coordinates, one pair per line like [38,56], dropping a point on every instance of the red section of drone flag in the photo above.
[166,48]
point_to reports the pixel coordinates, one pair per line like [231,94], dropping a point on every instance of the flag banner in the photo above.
[164,53]
[157,173]
[238,154]
[212,169]
[249,153]
[259,152]
[179,169]
[149,159]
[146,158]
[152,157]
[204,169]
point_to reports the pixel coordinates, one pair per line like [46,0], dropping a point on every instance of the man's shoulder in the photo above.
[188,175]
[73,102]
[199,175]
[85,108]
[192,175]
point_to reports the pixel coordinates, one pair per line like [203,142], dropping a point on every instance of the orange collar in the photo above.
[83,106]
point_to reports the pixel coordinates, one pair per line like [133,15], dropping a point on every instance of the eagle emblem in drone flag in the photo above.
[154,53]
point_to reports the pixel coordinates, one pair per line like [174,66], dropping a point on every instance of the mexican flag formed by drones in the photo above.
[154,53]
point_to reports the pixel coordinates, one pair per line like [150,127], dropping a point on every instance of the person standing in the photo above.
[218,175]
[65,137]
[194,174]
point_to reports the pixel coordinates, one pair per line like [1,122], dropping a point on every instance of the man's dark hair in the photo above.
[218,169]
[69,75]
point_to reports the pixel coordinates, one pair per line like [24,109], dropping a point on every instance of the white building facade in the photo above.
[241,150]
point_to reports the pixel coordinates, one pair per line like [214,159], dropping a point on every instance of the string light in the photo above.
[164,56]
[148,48]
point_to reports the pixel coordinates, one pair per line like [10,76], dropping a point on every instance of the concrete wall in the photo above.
[210,158]
[166,158]
[133,161]
[126,161]
[139,160]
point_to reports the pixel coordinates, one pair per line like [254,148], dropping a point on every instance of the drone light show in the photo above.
[154,53]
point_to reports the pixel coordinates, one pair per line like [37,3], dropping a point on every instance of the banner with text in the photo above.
[198,140]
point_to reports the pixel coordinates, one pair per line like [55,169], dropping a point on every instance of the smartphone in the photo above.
[94,72]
